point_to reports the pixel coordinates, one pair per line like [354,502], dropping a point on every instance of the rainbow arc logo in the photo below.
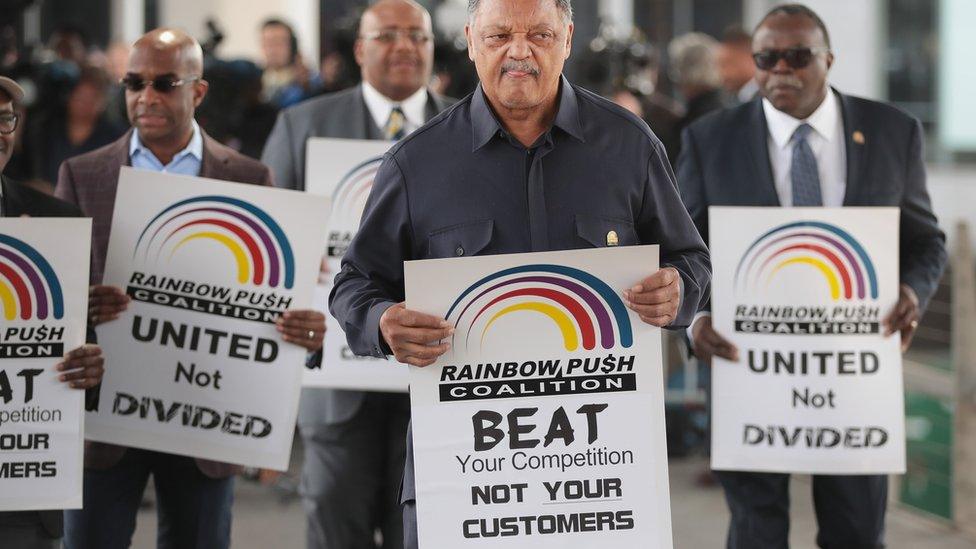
[828,249]
[349,196]
[584,308]
[29,287]
[261,250]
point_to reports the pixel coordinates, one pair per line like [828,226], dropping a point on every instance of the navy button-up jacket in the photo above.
[461,186]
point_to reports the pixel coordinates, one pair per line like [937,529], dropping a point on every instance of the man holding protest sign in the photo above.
[545,166]
[82,368]
[804,144]
[354,441]
[163,88]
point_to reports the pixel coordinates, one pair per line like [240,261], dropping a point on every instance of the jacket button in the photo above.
[459,251]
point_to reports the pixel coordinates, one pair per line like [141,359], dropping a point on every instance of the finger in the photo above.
[660,279]
[414,361]
[302,315]
[892,321]
[423,352]
[106,292]
[91,372]
[82,351]
[421,336]
[107,310]
[899,320]
[313,344]
[669,308]
[414,319]
[300,333]
[659,321]
[653,297]
[907,335]
[317,325]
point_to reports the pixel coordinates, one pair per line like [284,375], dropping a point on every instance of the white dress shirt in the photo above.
[828,146]
[414,107]
[826,141]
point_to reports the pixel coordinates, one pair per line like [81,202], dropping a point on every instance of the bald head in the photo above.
[384,9]
[180,46]
[164,86]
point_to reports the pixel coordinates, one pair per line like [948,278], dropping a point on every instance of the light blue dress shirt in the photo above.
[185,162]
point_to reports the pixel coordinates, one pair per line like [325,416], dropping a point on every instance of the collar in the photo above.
[824,120]
[380,106]
[485,125]
[193,148]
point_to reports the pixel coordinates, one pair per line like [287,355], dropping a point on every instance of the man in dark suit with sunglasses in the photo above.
[805,144]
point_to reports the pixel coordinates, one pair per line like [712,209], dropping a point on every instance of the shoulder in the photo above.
[322,104]
[96,159]
[41,204]
[600,114]
[734,118]
[882,114]
[436,129]
[241,168]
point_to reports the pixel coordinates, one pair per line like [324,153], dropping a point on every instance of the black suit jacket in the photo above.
[18,200]
[724,161]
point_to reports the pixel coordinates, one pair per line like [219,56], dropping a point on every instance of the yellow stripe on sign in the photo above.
[243,267]
[9,303]
[820,265]
[570,340]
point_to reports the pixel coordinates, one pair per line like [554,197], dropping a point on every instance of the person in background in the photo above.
[806,144]
[286,79]
[82,368]
[736,67]
[80,126]
[355,441]
[695,73]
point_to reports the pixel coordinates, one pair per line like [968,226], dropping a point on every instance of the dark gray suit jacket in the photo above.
[725,162]
[342,115]
[17,200]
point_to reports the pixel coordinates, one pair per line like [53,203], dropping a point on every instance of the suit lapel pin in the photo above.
[612,238]
[858,137]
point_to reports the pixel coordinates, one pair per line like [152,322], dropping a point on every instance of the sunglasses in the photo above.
[796,58]
[162,84]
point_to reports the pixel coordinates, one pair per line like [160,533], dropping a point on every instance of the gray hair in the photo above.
[693,61]
[565,6]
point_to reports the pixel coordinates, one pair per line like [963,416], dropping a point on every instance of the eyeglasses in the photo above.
[8,122]
[162,84]
[390,36]
[796,58]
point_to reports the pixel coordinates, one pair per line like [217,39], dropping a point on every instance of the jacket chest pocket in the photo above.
[602,231]
[462,240]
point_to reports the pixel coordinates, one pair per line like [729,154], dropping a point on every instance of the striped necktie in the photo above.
[396,126]
[804,175]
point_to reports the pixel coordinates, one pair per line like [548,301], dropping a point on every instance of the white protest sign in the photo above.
[195,365]
[543,426]
[343,169]
[44,303]
[802,292]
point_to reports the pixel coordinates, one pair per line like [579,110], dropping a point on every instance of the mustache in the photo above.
[520,66]
[788,81]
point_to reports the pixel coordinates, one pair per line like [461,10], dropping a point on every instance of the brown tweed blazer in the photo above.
[90,182]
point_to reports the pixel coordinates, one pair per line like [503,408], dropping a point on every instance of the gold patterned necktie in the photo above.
[396,125]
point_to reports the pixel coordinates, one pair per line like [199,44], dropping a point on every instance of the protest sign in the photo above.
[343,169]
[44,302]
[543,425]
[195,365]
[802,292]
